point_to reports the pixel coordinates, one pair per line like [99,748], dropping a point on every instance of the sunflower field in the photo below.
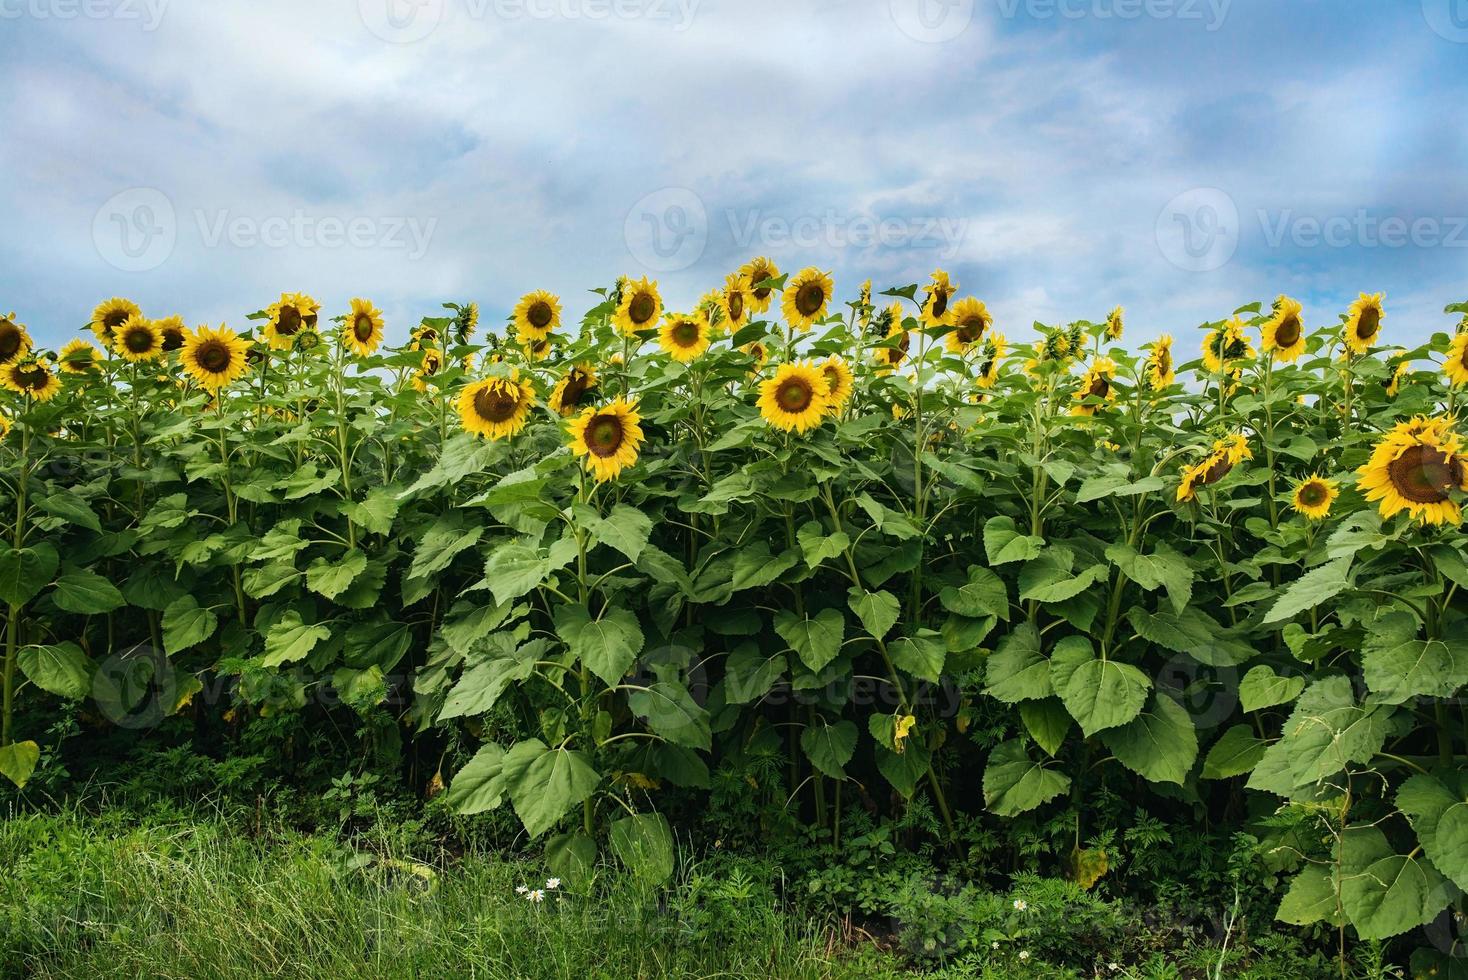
[902,553]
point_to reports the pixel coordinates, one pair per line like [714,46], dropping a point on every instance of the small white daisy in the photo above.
[994,944]
[536,896]
[1020,905]
[552,883]
[521,889]
[1024,954]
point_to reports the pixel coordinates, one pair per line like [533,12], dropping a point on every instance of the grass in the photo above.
[88,898]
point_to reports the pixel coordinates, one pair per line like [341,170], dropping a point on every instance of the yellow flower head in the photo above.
[537,350]
[1158,370]
[496,408]
[1235,449]
[536,316]
[839,381]
[29,376]
[640,308]
[1313,496]
[755,272]
[466,321]
[756,350]
[1363,322]
[1284,332]
[971,320]
[607,438]
[1114,324]
[215,358]
[15,341]
[684,336]
[174,332]
[1418,466]
[890,355]
[735,301]
[569,394]
[1211,470]
[286,318]
[110,315]
[4,426]
[1225,346]
[806,298]
[936,311]
[1393,384]
[138,339]
[78,357]
[363,328]
[1097,384]
[1456,365]
[796,398]
[430,364]
[988,372]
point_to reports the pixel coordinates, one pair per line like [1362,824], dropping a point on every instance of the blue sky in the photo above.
[1058,157]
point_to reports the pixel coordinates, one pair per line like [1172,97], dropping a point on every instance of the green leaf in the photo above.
[513,569]
[1164,568]
[1311,589]
[818,546]
[1160,744]
[1311,899]
[381,644]
[750,673]
[468,622]
[607,646]
[26,571]
[1192,632]
[1003,543]
[1383,893]
[1263,688]
[291,639]
[480,785]
[922,655]
[1238,751]
[876,610]
[441,544]
[1047,722]
[186,623]
[18,760]
[572,858]
[481,685]
[1048,579]
[1018,671]
[625,529]
[267,580]
[85,592]
[817,640]
[1440,817]
[671,712]
[62,669]
[643,842]
[544,783]
[1398,665]
[329,577]
[755,567]
[1326,732]
[375,512]
[70,508]
[984,594]
[903,769]
[1100,694]
[1013,784]
[829,747]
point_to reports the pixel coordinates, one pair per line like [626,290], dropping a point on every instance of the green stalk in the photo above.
[12,623]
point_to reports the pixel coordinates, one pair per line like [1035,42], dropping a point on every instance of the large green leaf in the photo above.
[1236,752]
[1383,893]
[1163,569]
[481,685]
[291,639]
[18,760]
[330,577]
[816,639]
[829,747]
[671,712]
[1100,694]
[643,842]
[1003,542]
[1311,899]
[514,569]
[1047,722]
[480,785]
[922,655]
[1013,783]
[1018,671]
[1398,665]
[543,783]
[1263,688]
[84,591]
[25,571]
[625,529]
[1048,579]
[1160,744]
[818,546]
[750,673]
[1311,589]
[984,594]
[572,858]
[186,623]
[61,669]
[1193,632]
[876,610]
[1326,732]
[1440,817]
[608,646]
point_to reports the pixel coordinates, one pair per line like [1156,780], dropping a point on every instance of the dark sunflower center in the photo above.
[1369,323]
[114,319]
[496,403]
[1313,494]
[212,356]
[33,378]
[10,340]
[577,384]
[173,338]
[940,303]
[1463,357]
[138,341]
[1425,475]
[833,379]
[362,328]
[970,330]
[1288,332]
[1099,387]
[289,320]
[760,275]
[794,395]
[641,308]
[540,315]
[1164,363]
[736,306]
[809,299]
[604,435]
[1217,471]
[685,333]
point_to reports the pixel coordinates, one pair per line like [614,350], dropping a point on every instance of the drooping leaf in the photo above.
[83,591]
[643,842]
[1160,744]
[815,639]
[543,783]
[1014,784]
[479,786]
[607,646]
[984,594]
[1018,671]
[62,669]
[829,747]
[1236,752]
[1003,543]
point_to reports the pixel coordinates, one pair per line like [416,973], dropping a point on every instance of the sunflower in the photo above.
[537,350]
[971,319]
[466,321]
[609,438]
[1416,467]
[578,384]
[15,341]
[139,339]
[1224,346]
[294,312]
[796,398]
[215,358]
[1313,496]
[78,357]
[174,332]
[1212,469]
[4,426]
[864,304]
[890,356]
[363,328]
[536,316]
[936,311]
[1393,384]
[496,408]
[29,376]
[640,308]
[1097,384]
[1284,332]
[684,336]
[1158,369]
[1114,324]
[989,361]
[757,271]
[1363,322]
[839,381]
[756,350]
[431,364]
[1234,448]
[1456,365]
[735,301]
[806,298]
[425,335]
[108,316]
